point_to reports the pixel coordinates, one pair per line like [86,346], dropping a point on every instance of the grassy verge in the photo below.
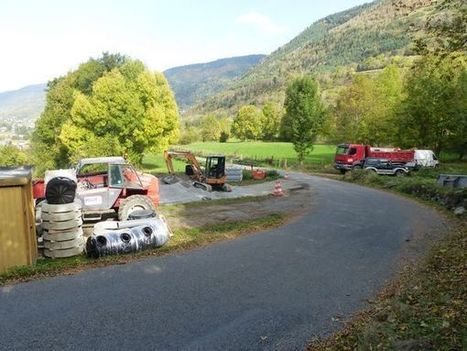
[425,310]
[418,186]
[182,240]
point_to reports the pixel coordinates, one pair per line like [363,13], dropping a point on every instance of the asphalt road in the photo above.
[273,290]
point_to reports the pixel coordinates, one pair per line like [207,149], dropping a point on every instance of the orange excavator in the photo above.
[212,177]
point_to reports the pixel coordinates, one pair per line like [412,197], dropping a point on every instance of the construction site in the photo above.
[105,206]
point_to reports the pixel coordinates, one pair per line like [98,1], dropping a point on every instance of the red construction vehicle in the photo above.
[351,156]
[109,185]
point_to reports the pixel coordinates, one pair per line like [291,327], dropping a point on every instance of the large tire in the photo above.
[60,190]
[134,203]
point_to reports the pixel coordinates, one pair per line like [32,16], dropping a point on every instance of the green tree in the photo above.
[210,128]
[226,124]
[271,121]
[47,148]
[433,114]
[11,155]
[365,111]
[248,122]
[304,113]
[111,105]
[350,111]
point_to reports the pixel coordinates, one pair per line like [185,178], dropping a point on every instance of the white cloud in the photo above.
[262,22]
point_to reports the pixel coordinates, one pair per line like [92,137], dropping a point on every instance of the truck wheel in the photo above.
[357,167]
[342,171]
[400,173]
[134,203]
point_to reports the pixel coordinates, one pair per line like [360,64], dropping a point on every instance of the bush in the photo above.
[272,174]
[11,155]
[224,137]
[189,135]
[247,175]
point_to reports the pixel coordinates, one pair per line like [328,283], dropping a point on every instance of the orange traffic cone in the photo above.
[278,189]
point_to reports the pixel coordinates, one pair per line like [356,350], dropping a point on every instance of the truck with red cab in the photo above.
[351,156]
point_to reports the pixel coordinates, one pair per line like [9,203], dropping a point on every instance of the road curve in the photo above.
[274,290]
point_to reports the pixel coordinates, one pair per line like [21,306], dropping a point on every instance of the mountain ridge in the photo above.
[342,40]
[25,103]
[193,83]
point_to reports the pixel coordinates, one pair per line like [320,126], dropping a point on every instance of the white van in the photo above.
[426,158]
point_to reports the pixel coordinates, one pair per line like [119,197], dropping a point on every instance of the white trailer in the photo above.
[426,158]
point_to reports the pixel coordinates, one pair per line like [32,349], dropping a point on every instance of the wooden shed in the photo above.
[18,243]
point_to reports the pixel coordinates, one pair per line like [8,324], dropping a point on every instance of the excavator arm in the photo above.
[198,172]
[213,177]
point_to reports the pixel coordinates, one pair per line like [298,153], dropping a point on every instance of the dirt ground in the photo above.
[295,202]
[195,214]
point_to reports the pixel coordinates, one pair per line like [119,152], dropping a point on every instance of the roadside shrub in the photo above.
[426,172]
[272,174]
[357,174]
[247,174]
[422,187]
[366,177]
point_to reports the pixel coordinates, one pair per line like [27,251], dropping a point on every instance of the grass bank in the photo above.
[182,240]
[420,185]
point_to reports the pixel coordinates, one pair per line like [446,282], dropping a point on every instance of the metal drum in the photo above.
[115,238]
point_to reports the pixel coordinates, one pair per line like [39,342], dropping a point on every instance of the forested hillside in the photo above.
[362,38]
[193,83]
[26,103]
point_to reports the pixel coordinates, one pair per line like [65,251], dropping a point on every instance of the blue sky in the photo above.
[43,39]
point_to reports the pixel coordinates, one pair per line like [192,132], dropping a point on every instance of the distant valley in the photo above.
[25,104]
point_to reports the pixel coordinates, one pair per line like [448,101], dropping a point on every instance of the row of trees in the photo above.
[424,107]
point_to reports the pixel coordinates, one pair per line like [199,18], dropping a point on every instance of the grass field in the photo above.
[268,152]
[263,150]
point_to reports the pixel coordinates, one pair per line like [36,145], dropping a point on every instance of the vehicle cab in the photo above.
[348,156]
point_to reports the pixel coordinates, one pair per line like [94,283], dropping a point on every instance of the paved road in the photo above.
[274,290]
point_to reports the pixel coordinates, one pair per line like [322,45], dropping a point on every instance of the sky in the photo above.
[44,39]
